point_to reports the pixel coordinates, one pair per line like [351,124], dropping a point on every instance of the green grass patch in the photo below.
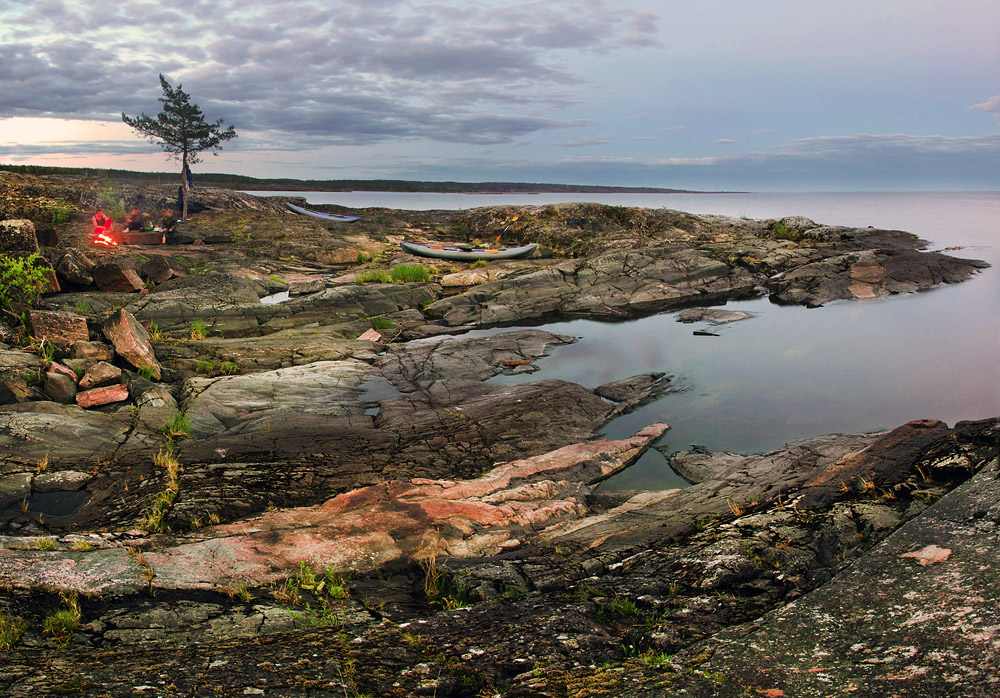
[180,425]
[382,323]
[198,329]
[406,273]
[205,366]
[62,623]
[373,276]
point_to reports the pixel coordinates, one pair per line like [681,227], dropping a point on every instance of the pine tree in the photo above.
[181,130]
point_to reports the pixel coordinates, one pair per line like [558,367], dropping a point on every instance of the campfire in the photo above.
[104,239]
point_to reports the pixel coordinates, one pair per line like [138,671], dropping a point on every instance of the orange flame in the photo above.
[103,239]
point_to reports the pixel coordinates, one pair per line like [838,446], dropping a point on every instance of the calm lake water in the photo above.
[789,373]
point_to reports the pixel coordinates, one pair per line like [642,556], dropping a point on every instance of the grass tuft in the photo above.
[406,273]
[11,630]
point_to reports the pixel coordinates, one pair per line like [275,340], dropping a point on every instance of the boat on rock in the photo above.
[466,254]
[319,214]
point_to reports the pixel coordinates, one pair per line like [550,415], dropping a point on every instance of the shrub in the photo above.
[45,543]
[382,323]
[403,273]
[783,232]
[21,282]
[60,214]
[111,201]
[205,366]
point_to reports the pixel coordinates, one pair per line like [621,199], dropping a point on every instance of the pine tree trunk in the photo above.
[184,186]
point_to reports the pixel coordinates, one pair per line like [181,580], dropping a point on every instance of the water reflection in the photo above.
[789,373]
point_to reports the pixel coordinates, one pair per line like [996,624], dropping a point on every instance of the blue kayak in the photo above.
[319,214]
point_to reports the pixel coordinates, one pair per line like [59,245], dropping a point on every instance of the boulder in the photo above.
[18,371]
[95,351]
[75,267]
[60,328]
[60,481]
[60,388]
[304,286]
[101,373]
[18,237]
[713,316]
[159,270]
[14,488]
[51,284]
[7,333]
[117,274]
[65,370]
[634,391]
[95,397]
[469,277]
[132,341]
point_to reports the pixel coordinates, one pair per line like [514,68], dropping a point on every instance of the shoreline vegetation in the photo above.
[244,183]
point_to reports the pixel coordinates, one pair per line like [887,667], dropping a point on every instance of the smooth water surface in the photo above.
[789,372]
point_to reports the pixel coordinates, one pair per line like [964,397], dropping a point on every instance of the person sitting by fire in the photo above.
[167,222]
[134,221]
[104,229]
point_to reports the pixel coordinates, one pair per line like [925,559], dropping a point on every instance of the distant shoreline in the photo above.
[244,183]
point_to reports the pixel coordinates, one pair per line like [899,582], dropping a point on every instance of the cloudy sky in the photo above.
[766,95]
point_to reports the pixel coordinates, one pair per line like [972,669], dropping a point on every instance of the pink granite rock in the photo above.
[114,276]
[131,341]
[403,519]
[101,373]
[64,329]
[95,397]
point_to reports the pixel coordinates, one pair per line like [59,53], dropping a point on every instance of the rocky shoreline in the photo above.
[324,496]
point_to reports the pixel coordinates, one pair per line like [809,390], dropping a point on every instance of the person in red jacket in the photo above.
[104,229]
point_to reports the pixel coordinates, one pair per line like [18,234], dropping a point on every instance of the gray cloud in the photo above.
[584,142]
[992,105]
[341,72]
[868,161]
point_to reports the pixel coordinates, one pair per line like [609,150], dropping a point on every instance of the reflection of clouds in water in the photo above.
[798,351]
[793,373]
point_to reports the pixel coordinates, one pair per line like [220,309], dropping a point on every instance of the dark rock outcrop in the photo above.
[17,237]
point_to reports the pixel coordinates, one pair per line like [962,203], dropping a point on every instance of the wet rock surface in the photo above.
[271,506]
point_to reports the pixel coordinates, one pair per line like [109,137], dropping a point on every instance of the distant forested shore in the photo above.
[241,182]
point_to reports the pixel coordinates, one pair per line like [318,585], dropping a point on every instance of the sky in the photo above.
[750,95]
